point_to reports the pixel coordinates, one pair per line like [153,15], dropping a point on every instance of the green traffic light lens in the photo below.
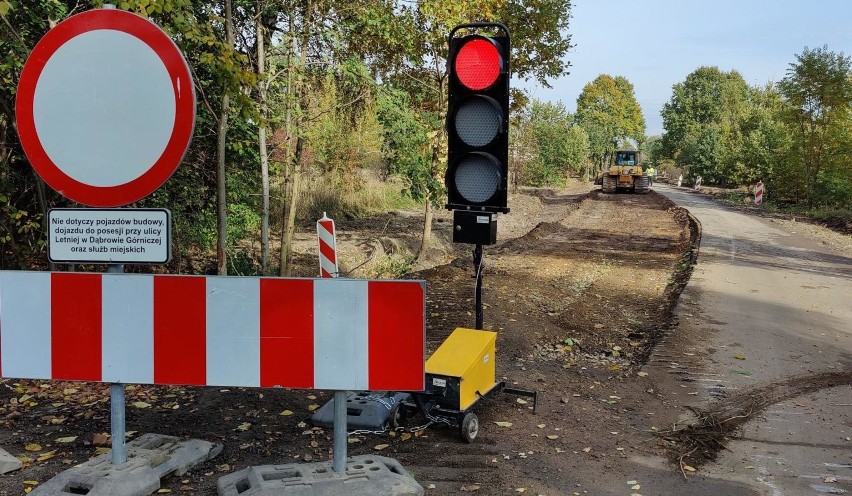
[478,120]
[478,64]
[477,177]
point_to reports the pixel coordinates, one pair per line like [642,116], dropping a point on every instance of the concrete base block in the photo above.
[8,463]
[366,475]
[150,457]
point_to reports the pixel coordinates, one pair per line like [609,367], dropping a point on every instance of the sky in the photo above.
[657,43]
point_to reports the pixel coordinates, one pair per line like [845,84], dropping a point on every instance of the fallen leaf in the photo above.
[101,438]
[552,437]
[101,450]
[521,490]
[163,490]
[405,436]
[688,468]
[313,407]
[503,424]
[541,426]
[31,482]
[244,426]
[24,459]
[635,487]
[470,488]
[521,401]
[642,374]
[141,404]
[46,456]
[33,447]
[286,413]
[586,450]
[739,357]
[380,447]
[69,439]
[631,482]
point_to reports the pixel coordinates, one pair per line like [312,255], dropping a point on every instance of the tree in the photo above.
[702,115]
[818,90]
[558,146]
[608,111]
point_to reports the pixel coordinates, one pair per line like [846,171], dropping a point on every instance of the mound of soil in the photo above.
[578,288]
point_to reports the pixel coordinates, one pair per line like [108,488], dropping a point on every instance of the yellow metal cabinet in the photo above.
[463,367]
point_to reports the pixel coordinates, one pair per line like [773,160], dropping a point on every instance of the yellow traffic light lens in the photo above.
[478,120]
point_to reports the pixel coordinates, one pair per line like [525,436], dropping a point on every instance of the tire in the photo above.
[469,427]
[396,417]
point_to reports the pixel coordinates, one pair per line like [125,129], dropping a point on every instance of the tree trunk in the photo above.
[291,203]
[221,190]
[261,139]
[427,231]
[290,220]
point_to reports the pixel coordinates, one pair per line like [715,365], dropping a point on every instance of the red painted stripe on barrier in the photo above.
[327,251]
[75,326]
[287,333]
[180,330]
[396,336]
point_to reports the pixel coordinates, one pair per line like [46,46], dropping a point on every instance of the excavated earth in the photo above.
[579,288]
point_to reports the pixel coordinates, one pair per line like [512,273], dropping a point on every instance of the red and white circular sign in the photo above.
[105,107]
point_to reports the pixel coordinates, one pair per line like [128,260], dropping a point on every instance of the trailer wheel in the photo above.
[469,427]
[396,417]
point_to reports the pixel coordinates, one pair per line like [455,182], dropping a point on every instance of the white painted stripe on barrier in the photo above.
[340,307]
[127,353]
[25,314]
[233,331]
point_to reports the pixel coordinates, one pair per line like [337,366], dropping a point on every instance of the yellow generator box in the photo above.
[462,368]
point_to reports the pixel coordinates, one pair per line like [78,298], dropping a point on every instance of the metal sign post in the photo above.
[327,244]
[117,405]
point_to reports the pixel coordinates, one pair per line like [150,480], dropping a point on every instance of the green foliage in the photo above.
[818,93]
[407,142]
[795,136]
[558,147]
[608,111]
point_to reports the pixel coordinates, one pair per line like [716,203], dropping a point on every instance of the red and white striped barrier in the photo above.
[698,183]
[758,193]
[346,334]
[327,247]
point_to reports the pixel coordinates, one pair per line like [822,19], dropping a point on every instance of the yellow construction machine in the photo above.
[624,174]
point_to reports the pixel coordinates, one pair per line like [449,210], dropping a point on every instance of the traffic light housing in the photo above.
[478,119]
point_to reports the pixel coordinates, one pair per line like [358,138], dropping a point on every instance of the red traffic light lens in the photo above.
[478,64]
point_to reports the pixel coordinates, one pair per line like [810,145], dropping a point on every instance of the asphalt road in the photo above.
[769,303]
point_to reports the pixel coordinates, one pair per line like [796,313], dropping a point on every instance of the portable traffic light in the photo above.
[478,119]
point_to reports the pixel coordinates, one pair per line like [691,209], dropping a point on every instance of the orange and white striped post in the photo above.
[327,244]
[758,193]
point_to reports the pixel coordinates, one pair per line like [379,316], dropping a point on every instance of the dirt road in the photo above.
[580,289]
[766,319]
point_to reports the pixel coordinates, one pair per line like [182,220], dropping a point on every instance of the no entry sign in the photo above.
[105,107]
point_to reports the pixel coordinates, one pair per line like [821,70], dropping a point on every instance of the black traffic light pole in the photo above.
[477,266]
